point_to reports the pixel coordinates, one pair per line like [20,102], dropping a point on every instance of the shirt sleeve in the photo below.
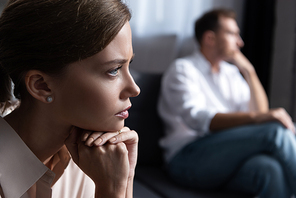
[185,98]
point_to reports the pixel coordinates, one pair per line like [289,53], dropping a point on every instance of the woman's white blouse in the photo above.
[20,169]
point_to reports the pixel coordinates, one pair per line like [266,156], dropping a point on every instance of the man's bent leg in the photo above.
[261,175]
[211,161]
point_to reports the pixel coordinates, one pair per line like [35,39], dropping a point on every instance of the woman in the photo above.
[69,63]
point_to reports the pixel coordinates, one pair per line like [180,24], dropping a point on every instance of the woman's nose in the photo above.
[135,90]
[131,88]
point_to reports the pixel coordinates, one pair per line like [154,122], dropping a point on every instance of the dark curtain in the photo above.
[257,32]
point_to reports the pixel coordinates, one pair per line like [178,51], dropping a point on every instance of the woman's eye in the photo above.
[114,72]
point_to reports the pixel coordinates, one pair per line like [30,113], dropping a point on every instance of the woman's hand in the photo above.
[106,165]
[125,135]
[109,159]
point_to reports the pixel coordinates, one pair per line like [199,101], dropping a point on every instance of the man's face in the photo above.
[228,40]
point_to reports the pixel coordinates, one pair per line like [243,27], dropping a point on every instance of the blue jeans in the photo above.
[256,159]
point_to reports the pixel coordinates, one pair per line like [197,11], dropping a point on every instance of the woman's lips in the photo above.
[123,114]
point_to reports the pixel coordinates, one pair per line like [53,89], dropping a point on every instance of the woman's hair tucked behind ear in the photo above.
[47,35]
[5,90]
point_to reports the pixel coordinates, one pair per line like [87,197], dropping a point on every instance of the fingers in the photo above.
[130,139]
[98,138]
[101,138]
[129,136]
[120,144]
[289,124]
[92,138]
[284,118]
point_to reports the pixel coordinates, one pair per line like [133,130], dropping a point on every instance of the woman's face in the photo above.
[94,93]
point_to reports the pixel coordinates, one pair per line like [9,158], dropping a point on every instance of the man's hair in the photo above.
[210,21]
[48,35]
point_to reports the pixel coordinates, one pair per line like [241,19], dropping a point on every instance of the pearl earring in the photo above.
[49,99]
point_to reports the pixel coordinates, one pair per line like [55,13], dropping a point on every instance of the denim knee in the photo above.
[276,126]
[262,175]
[279,135]
[267,170]
[271,179]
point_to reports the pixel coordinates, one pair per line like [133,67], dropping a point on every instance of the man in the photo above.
[219,130]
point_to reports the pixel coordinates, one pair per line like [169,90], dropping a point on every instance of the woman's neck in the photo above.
[40,132]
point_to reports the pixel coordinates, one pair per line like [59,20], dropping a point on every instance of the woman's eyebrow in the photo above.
[119,61]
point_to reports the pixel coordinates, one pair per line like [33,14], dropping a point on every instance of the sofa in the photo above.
[151,177]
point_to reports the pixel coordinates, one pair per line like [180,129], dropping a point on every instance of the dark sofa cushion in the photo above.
[144,119]
[143,191]
[157,179]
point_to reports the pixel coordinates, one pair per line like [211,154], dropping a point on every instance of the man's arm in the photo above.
[258,100]
[227,120]
[259,107]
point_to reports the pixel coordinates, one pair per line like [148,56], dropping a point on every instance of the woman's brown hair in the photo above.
[47,35]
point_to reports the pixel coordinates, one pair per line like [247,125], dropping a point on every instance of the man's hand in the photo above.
[280,115]
[242,63]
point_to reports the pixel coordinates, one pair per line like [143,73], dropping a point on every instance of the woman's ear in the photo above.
[37,84]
